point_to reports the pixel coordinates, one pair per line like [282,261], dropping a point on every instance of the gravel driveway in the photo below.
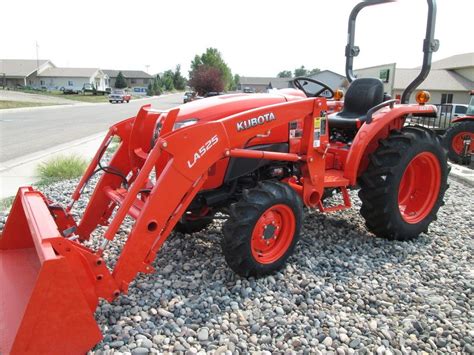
[344,291]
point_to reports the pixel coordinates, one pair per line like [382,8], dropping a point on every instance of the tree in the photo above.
[167,80]
[206,79]
[212,58]
[179,82]
[120,82]
[236,81]
[302,71]
[314,71]
[157,89]
[285,74]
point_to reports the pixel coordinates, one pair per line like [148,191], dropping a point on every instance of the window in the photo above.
[384,75]
[446,99]
[42,83]
[133,81]
[70,83]
[460,110]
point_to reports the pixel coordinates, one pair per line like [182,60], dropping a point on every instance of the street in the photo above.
[28,131]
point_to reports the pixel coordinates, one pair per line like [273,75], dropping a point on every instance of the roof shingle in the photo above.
[135,74]
[69,72]
[20,67]
[437,80]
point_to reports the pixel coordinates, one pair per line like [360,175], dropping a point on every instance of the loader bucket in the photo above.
[43,309]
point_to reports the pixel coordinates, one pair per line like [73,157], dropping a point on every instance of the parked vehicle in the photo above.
[459,138]
[90,88]
[248,90]
[258,159]
[120,96]
[189,96]
[213,93]
[68,91]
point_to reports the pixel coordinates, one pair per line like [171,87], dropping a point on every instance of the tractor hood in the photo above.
[214,108]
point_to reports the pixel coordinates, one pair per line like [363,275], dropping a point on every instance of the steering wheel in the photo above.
[302,81]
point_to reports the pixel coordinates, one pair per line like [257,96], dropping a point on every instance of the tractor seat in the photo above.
[361,96]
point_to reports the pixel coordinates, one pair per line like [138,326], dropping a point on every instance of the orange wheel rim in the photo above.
[458,142]
[273,234]
[419,187]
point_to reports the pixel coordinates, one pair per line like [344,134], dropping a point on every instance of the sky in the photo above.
[255,37]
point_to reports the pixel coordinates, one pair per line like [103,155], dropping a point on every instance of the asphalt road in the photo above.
[28,131]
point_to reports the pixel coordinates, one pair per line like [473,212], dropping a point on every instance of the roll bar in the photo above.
[430,44]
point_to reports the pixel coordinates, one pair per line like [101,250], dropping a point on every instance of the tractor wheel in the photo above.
[453,141]
[404,184]
[263,229]
[192,226]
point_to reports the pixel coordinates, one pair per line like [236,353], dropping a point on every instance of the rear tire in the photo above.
[263,229]
[453,141]
[404,184]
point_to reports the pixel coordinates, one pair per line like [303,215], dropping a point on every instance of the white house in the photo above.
[71,78]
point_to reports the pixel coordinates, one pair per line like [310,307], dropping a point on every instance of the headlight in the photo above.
[185,123]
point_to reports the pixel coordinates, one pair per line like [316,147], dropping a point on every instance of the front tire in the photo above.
[263,229]
[453,141]
[403,187]
[191,226]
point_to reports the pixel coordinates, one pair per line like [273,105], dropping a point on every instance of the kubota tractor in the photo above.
[258,158]
[459,138]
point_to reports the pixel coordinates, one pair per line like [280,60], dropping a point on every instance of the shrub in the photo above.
[61,168]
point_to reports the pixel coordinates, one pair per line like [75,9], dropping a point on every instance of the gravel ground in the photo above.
[344,291]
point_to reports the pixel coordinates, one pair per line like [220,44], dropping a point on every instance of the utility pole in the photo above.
[147,66]
[37,57]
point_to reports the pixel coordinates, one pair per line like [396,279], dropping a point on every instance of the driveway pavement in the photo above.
[26,131]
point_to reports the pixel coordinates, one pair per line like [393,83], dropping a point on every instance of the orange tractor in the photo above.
[257,158]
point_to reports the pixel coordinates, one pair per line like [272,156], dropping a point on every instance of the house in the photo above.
[262,84]
[450,80]
[21,72]
[134,78]
[71,78]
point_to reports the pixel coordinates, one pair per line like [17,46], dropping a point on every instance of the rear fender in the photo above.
[367,139]
[462,119]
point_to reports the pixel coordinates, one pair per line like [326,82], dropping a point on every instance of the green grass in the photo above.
[6,203]
[61,168]
[86,98]
[114,144]
[4,104]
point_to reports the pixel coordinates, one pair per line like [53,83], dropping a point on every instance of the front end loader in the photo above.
[256,158]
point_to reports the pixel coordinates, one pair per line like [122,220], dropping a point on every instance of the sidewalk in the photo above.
[22,171]
[463,174]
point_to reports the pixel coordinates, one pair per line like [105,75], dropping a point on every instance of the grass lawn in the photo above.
[85,98]
[16,104]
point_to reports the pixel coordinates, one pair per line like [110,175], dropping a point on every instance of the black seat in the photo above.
[361,96]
